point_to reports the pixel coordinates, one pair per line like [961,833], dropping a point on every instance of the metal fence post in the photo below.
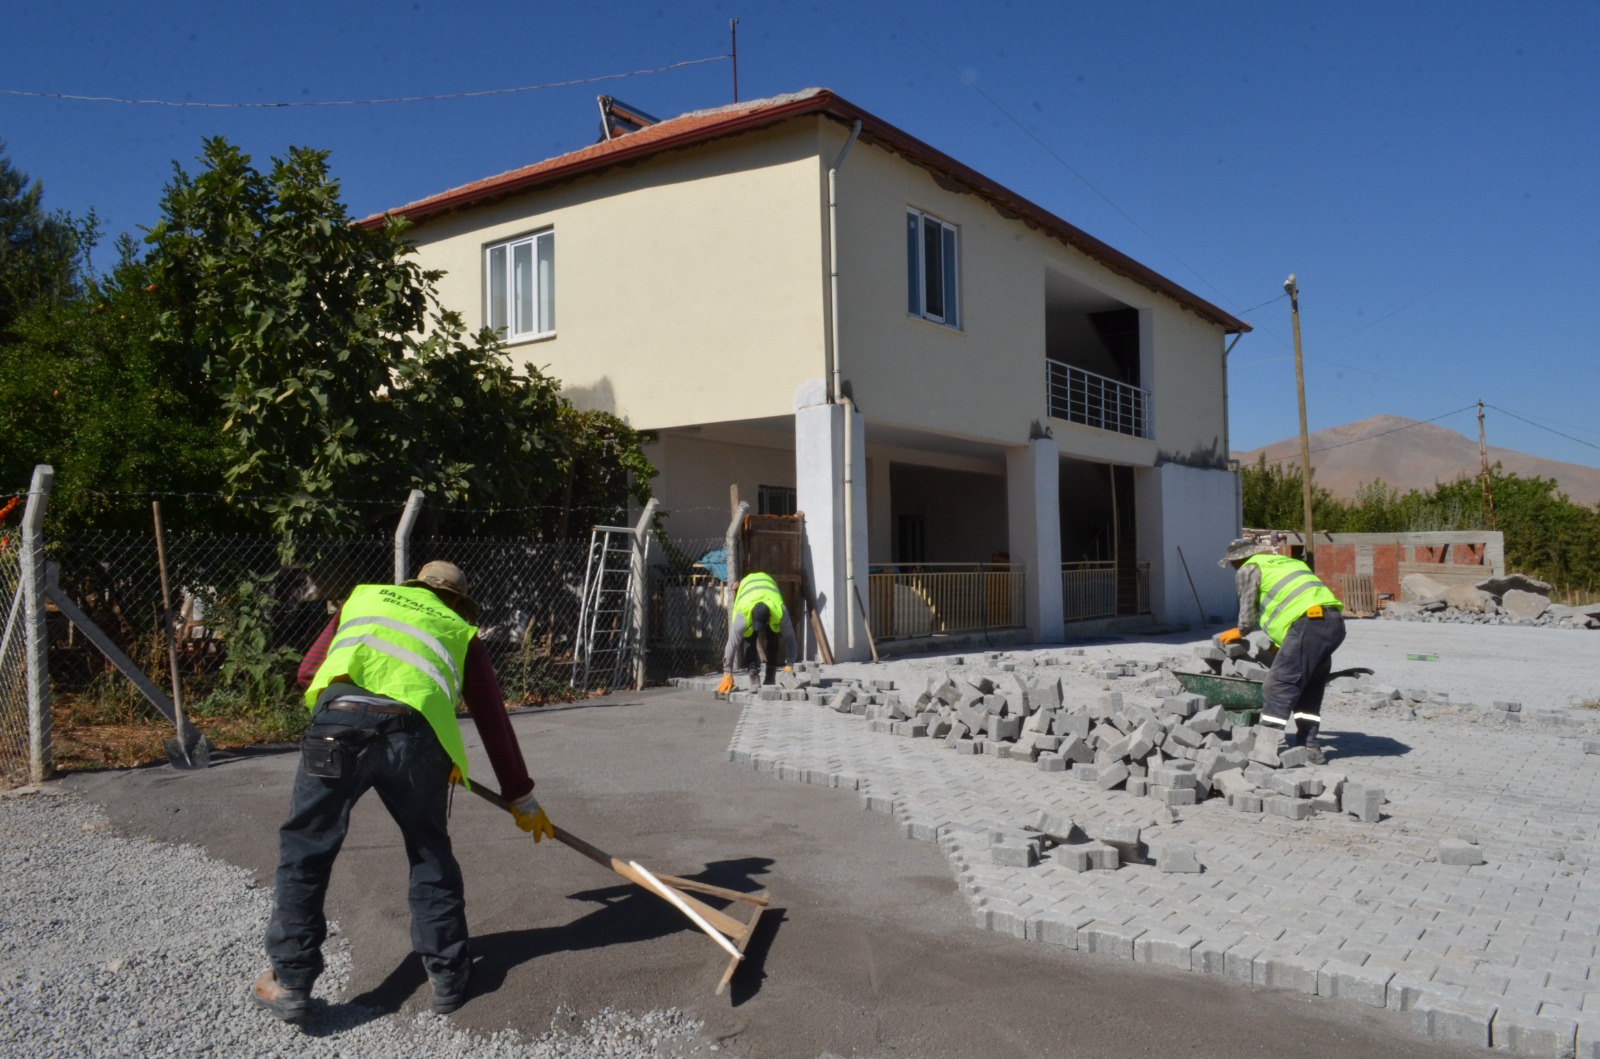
[402,536]
[731,544]
[35,636]
[638,583]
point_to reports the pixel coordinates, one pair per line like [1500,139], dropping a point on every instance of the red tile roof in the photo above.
[699,127]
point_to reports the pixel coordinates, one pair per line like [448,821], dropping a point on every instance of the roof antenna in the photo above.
[733,33]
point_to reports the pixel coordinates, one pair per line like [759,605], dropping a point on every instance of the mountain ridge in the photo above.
[1410,454]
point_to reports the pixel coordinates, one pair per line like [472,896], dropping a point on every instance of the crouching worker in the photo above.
[757,621]
[382,682]
[1305,622]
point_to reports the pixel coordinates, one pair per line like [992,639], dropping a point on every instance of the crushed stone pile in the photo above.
[1514,599]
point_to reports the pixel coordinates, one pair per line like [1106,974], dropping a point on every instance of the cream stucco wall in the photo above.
[987,380]
[689,287]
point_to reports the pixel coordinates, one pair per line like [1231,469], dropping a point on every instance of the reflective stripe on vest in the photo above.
[1288,590]
[759,588]
[403,644]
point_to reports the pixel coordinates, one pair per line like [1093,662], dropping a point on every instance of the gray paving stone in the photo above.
[1166,950]
[1287,970]
[1540,1035]
[1359,983]
[1108,939]
[1450,1019]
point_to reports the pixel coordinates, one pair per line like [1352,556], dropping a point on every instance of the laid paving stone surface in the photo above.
[1365,912]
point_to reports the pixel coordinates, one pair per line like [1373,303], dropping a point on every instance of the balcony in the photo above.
[928,599]
[1080,396]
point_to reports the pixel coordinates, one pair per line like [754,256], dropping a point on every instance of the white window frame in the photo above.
[501,309]
[947,310]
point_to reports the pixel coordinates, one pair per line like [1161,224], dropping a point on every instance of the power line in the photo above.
[360,102]
[1383,433]
[1531,423]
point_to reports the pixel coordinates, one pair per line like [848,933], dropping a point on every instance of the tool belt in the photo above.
[331,750]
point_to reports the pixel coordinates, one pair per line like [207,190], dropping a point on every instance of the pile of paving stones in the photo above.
[1173,748]
[1515,599]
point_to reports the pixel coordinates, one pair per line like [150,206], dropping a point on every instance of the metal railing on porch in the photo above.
[1089,589]
[1080,396]
[927,599]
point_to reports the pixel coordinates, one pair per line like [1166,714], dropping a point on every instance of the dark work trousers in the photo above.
[410,771]
[1292,696]
[763,647]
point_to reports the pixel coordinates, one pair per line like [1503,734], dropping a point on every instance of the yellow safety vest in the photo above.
[1288,590]
[404,644]
[759,588]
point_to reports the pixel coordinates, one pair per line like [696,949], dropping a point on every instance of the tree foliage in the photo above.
[1547,535]
[39,251]
[268,349]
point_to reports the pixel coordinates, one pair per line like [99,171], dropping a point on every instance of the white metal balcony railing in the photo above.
[1089,590]
[925,599]
[1080,396]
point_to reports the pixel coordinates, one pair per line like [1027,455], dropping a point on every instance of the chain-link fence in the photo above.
[13,672]
[246,608]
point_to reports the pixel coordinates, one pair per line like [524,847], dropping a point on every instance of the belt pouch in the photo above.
[331,751]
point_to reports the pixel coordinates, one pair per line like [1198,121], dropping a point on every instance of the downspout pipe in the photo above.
[835,384]
[1227,440]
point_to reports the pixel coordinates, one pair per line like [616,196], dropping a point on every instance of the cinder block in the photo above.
[1294,757]
[1454,851]
[1102,857]
[1178,857]
[1363,802]
[1014,855]
[1449,1019]
[1056,928]
[1166,950]
[1172,796]
[1231,782]
[1246,802]
[1287,970]
[1208,957]
[1108,939]
[1533,1035]
[1111,776]
[1292,808]
[1364,985]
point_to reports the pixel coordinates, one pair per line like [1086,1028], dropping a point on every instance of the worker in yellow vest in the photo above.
[1305,621]
[757,621]
[382,683]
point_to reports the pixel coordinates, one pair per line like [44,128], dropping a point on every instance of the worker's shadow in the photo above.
[626,914]
[1342,746]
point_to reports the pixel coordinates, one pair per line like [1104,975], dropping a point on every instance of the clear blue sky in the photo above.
[1429,170]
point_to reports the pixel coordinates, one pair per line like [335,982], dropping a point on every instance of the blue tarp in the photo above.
[715,563]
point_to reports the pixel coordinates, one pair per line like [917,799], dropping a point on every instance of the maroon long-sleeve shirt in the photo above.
[481,691]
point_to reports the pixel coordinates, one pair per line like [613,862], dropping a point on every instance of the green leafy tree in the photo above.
[1273,499]
[40,252]
[341,377]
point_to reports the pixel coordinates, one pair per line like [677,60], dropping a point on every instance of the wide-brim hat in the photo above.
[1242,548]
[448,580]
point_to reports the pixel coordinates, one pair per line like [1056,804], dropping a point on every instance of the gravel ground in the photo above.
[111,946]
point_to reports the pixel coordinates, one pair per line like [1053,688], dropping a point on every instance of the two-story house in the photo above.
[803,300]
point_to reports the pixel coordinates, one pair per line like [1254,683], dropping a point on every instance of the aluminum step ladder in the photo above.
[605,645]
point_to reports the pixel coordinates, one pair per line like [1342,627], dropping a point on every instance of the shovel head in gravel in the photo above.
[733,935]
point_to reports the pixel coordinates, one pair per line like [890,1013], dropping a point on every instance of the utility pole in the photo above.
[1305,439]
[733,34]
[1484,477]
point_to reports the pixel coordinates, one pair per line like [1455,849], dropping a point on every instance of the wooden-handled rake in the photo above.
[730,933]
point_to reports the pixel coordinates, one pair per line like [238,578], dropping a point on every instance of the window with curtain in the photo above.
[520,286]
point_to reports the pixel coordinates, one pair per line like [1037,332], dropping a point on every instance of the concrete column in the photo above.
[1033,485]
[819,458]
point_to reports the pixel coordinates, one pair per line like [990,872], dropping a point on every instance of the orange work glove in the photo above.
[1227,636]
[726,685]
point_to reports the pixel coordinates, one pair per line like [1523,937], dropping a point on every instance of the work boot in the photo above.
[290,1005]
[450,992]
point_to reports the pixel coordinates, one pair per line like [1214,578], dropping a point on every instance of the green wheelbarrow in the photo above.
[1239,698]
